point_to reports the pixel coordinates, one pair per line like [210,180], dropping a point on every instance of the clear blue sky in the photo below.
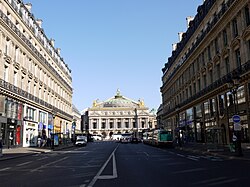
[111,44]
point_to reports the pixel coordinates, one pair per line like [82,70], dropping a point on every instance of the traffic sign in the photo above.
[236,119]
[237,127]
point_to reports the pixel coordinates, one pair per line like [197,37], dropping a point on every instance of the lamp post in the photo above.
[136,123]
[236,118]
[53,130]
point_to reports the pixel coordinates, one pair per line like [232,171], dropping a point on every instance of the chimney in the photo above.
[189,18]
[52,42]
[58,50]
[174,46]
[180,35]
[28,6]
[39,22]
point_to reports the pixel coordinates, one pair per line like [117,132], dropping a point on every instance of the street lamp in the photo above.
[234,85]
[53,130]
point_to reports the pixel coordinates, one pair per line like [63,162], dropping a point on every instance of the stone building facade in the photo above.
[117,115]
[205,81]
[35,82]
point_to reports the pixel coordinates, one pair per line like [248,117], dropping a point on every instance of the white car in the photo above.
[81,141]
[97,137]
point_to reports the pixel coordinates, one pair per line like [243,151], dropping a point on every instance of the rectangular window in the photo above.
[209,53]
[94,125]
[42,117]
[134,124]
[6,74]
[22,83]
[28,86]
[206,108]
[211,77]
[205,81]
[221,103]
[143,124]
[194,88]
[15,78]
[218,71]
[247,15]
[235,28]
[199,85]
[126,124]
[241,95]
[103,125]
[111,125]
[119,125]
[225,40]
[30,114]
[216,45]
[16,54]
[227,64]
[238,58]
[203,58]
[7,46]
[35,90]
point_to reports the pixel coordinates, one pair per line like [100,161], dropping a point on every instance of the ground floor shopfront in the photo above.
[211,120]
[24,125]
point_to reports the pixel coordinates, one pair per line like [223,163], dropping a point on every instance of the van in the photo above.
[81,141]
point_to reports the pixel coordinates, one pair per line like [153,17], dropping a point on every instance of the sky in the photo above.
[114,44]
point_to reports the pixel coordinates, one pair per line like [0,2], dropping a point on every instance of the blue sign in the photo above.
[236,118]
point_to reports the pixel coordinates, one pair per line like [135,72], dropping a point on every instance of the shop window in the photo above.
[230,100]
[241,95]
[221,103]
[206,108]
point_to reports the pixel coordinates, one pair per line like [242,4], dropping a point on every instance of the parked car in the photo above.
[134,140]
[97,137]
[81,141]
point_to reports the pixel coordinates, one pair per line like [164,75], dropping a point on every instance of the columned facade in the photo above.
[35,82]
[206,80]
[119,115]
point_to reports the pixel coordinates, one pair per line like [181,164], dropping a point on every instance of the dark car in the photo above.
[134,140]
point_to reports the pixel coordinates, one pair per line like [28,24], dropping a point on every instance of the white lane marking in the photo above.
[42,158]
[190,170]
[180,155]
[4,169]
[25,163]
[146,154]
[103,167]
[191,157]
[33,170]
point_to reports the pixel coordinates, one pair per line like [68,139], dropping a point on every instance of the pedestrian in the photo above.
[39,140]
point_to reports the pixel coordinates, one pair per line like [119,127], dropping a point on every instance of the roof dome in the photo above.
[118,101]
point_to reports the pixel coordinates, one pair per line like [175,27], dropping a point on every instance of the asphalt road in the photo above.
[111,164]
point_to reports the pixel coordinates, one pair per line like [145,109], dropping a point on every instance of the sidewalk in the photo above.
[221,151]
[27,151]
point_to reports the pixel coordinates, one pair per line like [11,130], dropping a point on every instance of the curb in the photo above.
[232,157]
